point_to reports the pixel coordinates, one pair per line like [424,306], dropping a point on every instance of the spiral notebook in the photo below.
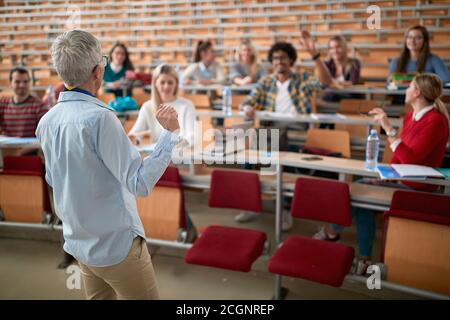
[407,172]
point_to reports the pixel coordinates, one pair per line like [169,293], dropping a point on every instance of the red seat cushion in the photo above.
[315,260]
[235,190]
[23,165]
[324,200]
[228,248]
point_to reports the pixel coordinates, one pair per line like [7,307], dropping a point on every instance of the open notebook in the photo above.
[407,172]
[327,116]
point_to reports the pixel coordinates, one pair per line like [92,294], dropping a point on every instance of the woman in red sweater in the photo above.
[425,130]
[423,141]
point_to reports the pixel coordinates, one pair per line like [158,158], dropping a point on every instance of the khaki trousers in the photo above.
[131,279]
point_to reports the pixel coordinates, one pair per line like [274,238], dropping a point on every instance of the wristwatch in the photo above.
[391,133]
[316,56]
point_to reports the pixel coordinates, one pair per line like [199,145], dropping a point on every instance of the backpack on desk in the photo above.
[122,104]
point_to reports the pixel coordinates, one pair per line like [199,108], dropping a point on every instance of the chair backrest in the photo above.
[323,200]
[23,192]
[200,101]
[47,81]
[162,212]
[417,241]
[356,106]
[421,202]
[23,165]
[237,99]
[140,96]
[332,140]
[235,190]
[106,97]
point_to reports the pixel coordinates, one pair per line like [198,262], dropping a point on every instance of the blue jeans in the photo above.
[365,226]
[365,222]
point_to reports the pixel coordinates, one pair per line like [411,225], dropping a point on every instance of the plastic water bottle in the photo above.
[372,150]
[226,97]
[180,74]
[51,96]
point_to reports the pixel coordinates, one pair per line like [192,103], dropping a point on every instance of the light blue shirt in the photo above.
[208,73]
[434,65]
[96,173]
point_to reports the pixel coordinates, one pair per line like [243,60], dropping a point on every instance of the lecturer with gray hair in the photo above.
[96,172]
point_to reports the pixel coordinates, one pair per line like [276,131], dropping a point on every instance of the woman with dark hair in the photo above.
[115,71]
[205,70]
[416,56]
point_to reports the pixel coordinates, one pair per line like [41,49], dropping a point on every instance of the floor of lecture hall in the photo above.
[28,267]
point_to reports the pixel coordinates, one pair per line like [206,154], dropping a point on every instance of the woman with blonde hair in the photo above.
[343,69]
[425,130]
[246,68]
[423,141]
[164,92]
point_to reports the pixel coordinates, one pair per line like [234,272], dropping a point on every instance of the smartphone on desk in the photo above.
[312,158]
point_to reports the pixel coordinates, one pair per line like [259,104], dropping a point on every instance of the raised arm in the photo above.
[308,43]
[124,161]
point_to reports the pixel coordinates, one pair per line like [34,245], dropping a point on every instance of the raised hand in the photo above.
[134,140]
[307,42]
[168,118]
[249,111]
[381,117]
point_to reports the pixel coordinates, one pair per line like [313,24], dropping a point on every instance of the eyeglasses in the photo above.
[104,61]
[280,58]
[414,38]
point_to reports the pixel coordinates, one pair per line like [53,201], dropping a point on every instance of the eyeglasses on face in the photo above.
[414,38]
[104,61]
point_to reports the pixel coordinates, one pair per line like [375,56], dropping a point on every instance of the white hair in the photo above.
[75,54]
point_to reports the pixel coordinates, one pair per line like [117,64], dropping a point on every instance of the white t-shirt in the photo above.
[186,117]
[283,103]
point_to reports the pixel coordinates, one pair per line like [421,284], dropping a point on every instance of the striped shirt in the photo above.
[21,119]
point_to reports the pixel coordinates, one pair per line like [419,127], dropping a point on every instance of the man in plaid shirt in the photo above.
[284,91]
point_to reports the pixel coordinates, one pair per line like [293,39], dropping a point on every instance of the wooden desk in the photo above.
[369,91]
[17,142]
[342,167]
[301,118]
[219,87]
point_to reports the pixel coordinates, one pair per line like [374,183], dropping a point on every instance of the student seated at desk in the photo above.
[416,57]
[21,112]
[164,92]
[285,92]
[115,71]
[423,142]
[344,70]
[246,69]
[205,71]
